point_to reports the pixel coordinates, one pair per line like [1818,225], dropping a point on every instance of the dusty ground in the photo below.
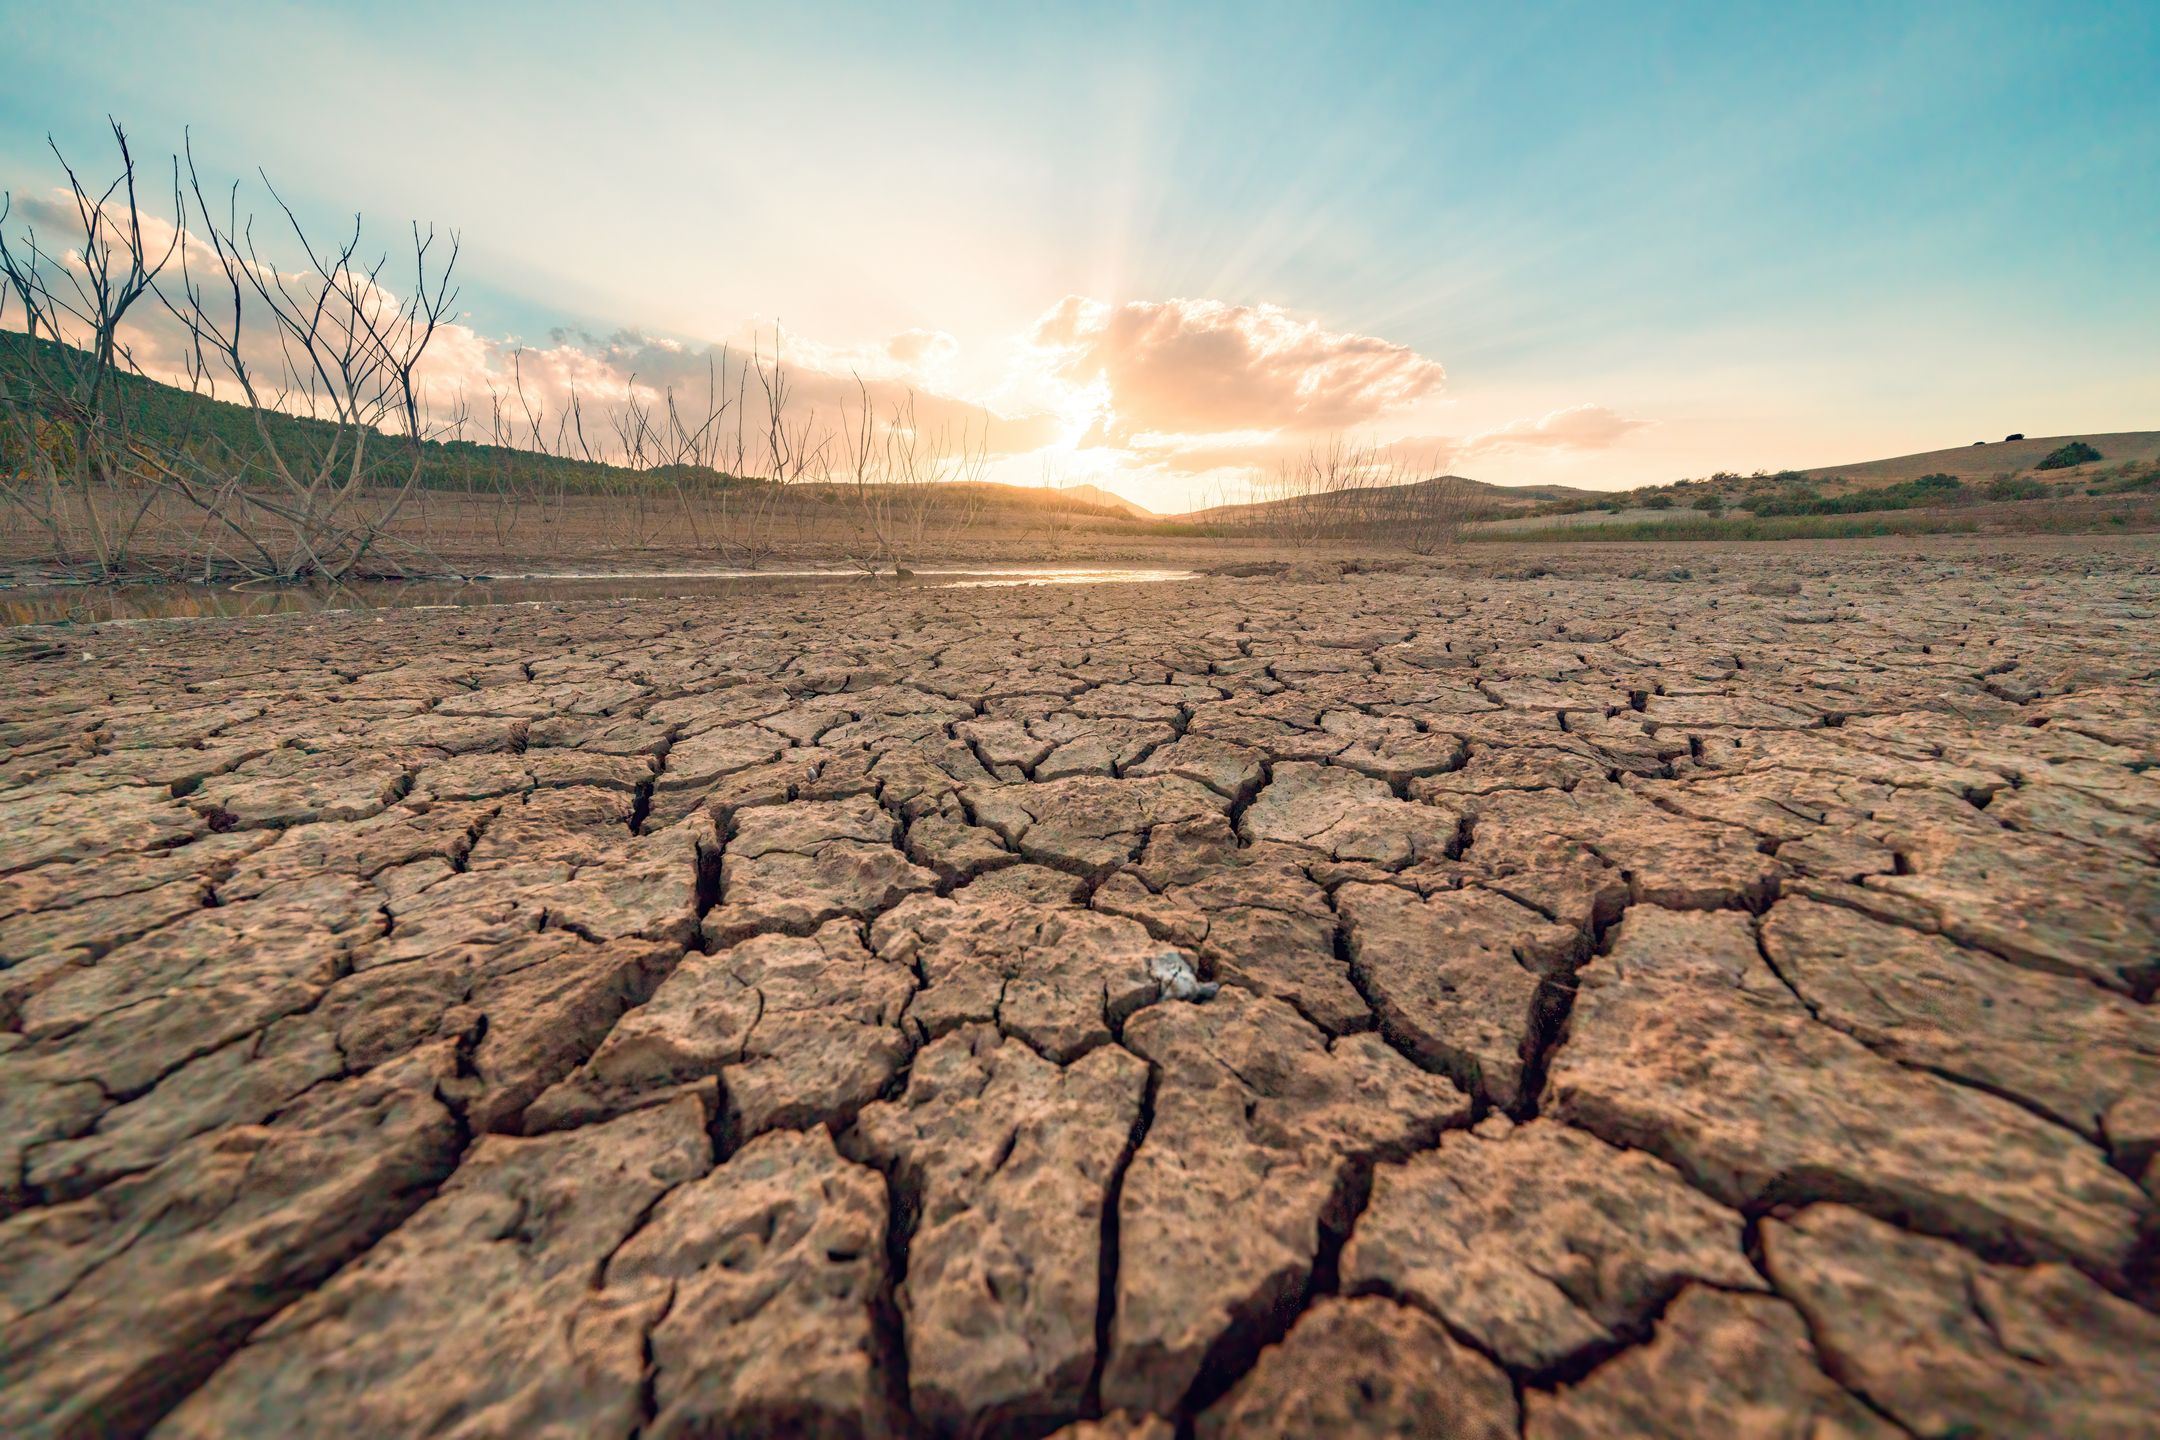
[1713,1002]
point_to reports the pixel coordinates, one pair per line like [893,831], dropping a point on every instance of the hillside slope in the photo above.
[2001,457]
[1108,500]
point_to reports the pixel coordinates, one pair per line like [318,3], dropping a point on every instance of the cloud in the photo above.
[606,372]
[1252,453]
[1201,367]
[922,350]
[1262,451]
[1579,427]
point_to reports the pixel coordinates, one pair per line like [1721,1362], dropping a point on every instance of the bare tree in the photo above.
[1425,516]
[1056,518]
[928,470]
[70,446]
[795,445]
[1342,491]
[908,486]
[339,348]
[1320,493]
[861,472]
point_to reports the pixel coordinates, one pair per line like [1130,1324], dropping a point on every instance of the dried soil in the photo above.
[1471,1000]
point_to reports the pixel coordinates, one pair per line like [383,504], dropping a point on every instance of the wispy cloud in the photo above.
[1579,427]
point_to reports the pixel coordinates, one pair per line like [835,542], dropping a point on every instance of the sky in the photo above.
[1164,248]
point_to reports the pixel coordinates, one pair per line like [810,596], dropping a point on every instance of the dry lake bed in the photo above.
[1700,992]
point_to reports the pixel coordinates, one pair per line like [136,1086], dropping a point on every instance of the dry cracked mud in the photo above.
[1452,1002]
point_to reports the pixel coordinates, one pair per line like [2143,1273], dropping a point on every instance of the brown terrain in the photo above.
[1999,457]
[644,525]
[1681,990]
[1474,497]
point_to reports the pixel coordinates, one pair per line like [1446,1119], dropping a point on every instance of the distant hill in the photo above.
[1525,494]
[1108,500]
[1482,496]
[1984,462]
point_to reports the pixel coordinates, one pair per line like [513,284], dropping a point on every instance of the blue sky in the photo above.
[1702,236]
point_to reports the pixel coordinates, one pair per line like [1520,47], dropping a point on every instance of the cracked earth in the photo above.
[1710,1002]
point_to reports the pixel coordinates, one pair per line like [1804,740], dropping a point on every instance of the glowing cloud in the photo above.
[1201,367]
[922,350]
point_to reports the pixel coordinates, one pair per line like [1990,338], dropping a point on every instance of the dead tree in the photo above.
[1320,493]
[70,446]
[1345,491]
[926,471]
[1056,518]
[331,343]
[793,445]
[860,471]
[1428,515]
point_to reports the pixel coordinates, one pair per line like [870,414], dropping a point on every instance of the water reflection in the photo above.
[88,604]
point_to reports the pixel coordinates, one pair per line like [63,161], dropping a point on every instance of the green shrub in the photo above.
[1935,489]
[2128,481]
[1805,501]
[2062,457]
[1709,527]
[1658,502]
[2015,487]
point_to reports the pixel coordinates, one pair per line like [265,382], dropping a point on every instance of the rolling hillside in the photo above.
[2001,457]
[1108,500]
[1482,497]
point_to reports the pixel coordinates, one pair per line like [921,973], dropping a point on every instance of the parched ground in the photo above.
[1704,1001]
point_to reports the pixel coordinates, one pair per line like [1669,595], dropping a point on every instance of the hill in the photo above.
[1108,500]
[1523,494]
[1985,461]
[1481,497]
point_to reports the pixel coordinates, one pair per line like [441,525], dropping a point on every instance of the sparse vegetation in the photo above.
[1339,490]
[1936,489]
[2015,487]
[2128,478]
[274,500]
[2062,457]
[1707,527]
